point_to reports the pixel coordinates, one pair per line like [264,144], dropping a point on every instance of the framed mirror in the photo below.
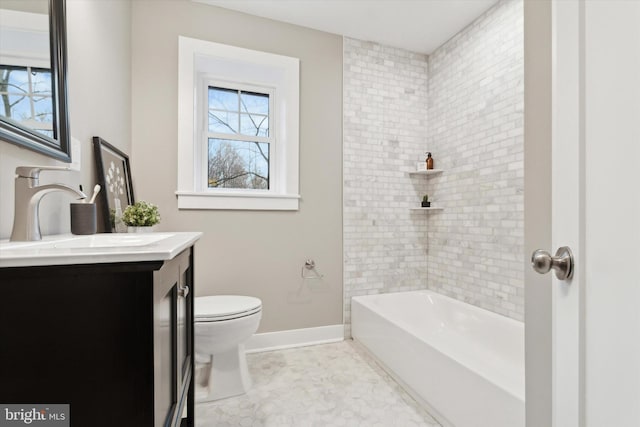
[33,85]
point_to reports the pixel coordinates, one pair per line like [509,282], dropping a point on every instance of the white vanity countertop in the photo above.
[68,249]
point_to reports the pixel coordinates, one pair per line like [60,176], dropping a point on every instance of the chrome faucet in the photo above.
[26,221]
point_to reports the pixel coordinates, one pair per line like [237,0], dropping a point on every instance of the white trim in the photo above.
[249,67]
[269,341]
[567,210]
[238,201]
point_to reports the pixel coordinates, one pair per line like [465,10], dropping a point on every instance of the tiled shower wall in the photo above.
[384,134]
[471,118]
[476,101]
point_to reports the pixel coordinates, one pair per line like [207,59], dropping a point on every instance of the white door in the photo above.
[595,210]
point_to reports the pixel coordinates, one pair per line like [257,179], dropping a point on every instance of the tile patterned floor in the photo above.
[319,386]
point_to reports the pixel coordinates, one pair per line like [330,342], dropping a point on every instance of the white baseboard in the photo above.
[269,341]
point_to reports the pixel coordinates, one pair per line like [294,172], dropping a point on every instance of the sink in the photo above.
[67,249]
[94,241]
[109,240]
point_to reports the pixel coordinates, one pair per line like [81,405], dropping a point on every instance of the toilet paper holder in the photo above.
[309,271]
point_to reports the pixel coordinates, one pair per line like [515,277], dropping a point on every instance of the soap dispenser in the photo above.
[429,161]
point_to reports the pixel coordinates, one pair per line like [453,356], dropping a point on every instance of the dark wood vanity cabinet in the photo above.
[173,339]
[114,341]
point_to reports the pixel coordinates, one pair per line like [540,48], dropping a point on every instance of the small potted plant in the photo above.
[425,201]
[141,217]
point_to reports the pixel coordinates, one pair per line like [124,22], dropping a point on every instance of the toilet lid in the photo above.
[224,307]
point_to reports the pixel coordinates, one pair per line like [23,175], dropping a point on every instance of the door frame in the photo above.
[554,210]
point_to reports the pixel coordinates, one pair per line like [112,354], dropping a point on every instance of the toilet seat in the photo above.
[225,307]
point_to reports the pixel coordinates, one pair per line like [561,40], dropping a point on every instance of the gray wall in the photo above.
[99,67]
[254,253]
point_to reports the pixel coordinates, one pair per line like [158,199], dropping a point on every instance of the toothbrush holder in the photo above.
[83,218]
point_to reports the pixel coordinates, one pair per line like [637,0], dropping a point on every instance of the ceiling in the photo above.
[416,25]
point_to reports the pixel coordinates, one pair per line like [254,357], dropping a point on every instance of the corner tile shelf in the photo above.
[427,172]
[426,209]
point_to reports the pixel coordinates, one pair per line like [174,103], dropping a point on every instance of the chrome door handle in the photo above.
[183,291]
[562,262]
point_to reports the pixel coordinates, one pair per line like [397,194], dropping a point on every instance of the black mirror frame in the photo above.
[59,148]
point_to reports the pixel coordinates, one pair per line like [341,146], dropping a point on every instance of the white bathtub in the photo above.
[465,364]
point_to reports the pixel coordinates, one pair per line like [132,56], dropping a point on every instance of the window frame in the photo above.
[205,81]
[243,67]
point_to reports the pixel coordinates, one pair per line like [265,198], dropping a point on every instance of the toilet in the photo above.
[223,323]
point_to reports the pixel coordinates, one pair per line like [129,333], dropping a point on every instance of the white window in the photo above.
[236,137]
[237,128]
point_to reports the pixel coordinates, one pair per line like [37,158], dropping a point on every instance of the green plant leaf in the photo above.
[141,214]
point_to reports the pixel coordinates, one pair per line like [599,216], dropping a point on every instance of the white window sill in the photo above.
[235,201]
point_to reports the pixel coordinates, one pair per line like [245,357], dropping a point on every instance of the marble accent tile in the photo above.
[325,386]
[384,133]
[464,103]
[476,134]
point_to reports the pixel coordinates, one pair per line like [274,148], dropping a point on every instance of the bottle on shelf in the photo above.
[429,161]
